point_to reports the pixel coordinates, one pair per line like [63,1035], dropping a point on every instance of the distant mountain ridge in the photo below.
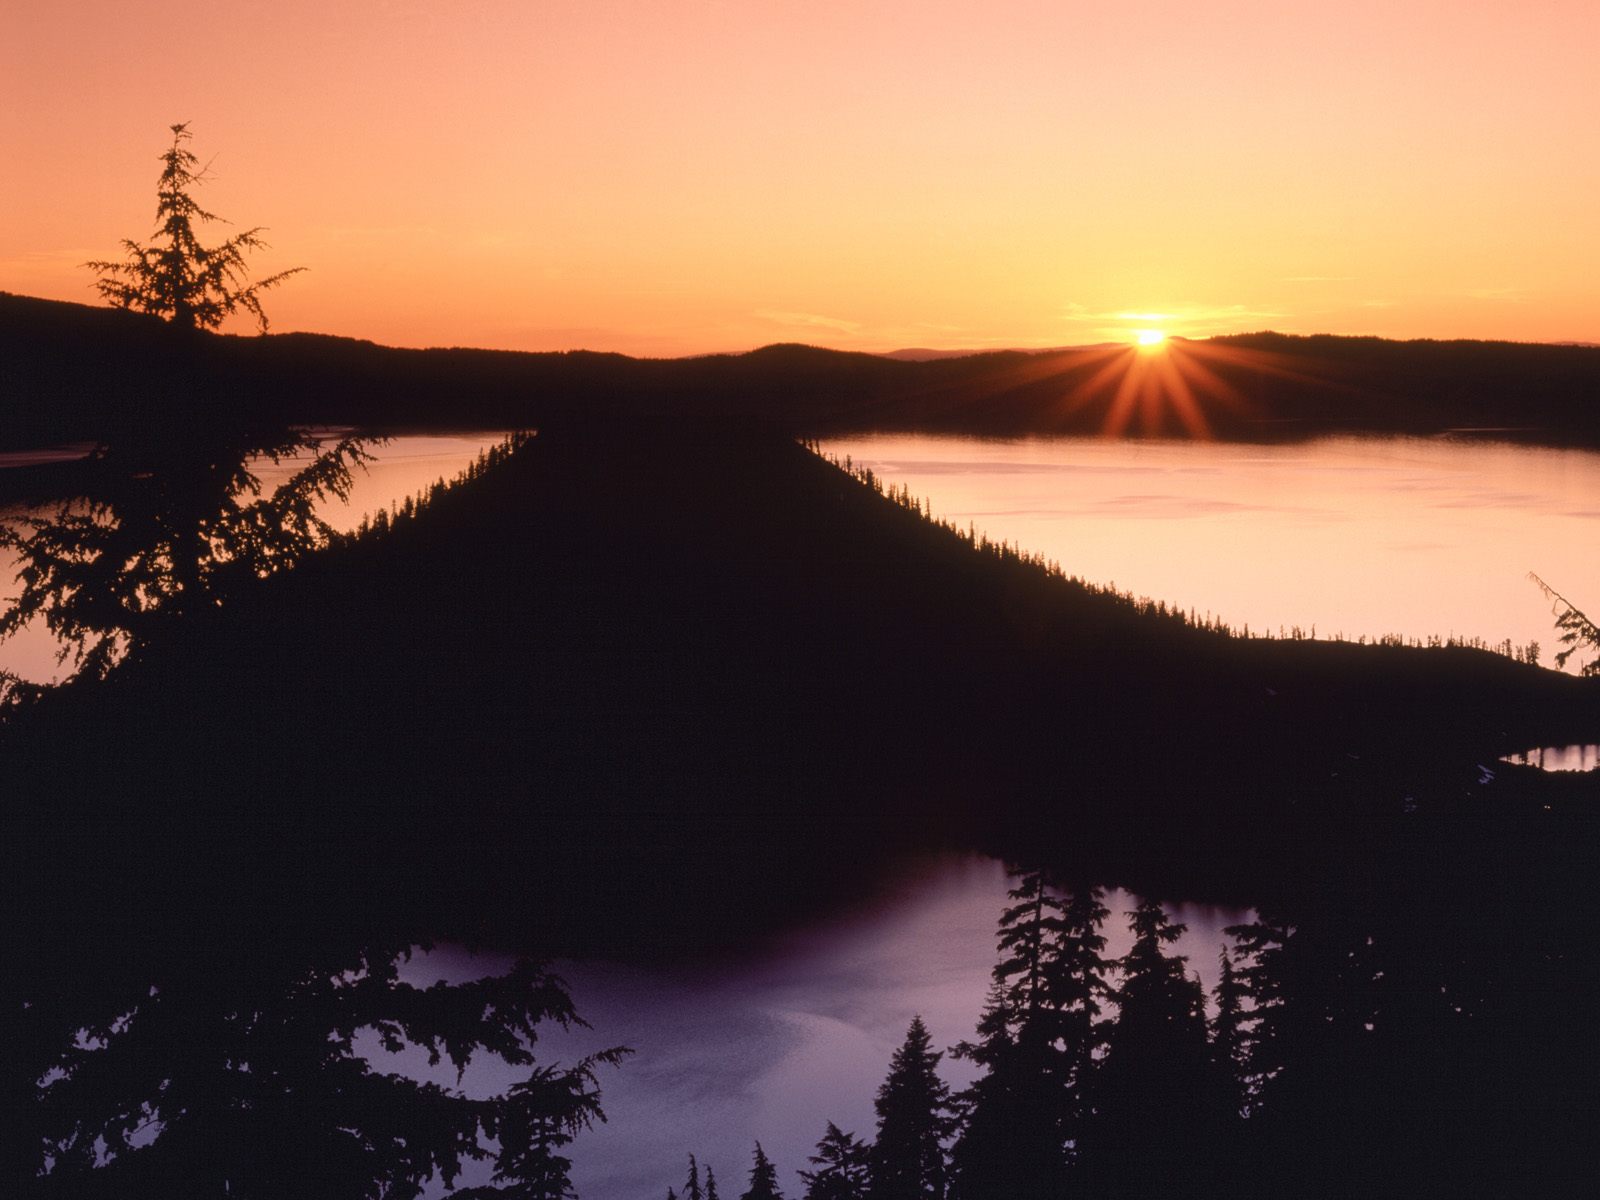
[66,369]
[923,354]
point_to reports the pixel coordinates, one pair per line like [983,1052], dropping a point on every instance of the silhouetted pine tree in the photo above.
[1079,989]
[1229,1034]
[763,1179]
[691,1186]
[843,1165]
[1157,1104]
[1012,1140]
[908,1158]
[1313,1055]
[176,277]
[240,1074]
[541,1115]
[711,1183]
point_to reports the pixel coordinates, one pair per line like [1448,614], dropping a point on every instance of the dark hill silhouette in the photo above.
[672,623]
[66,369]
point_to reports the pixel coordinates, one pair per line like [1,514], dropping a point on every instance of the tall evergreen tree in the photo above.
[1080,989]
[1030,933]
[711,1183]
[913,1105]
[844,1170]
[1157,1104]
[1012,1138]
[1230,1032]
[763,1179]
[691,1186]
[1038,1040]
[177,277]
[1313,1059]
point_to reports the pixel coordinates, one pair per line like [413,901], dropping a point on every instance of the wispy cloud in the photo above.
[34,260]
[805,320]
[1501,295]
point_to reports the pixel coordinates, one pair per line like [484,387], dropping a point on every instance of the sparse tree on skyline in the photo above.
[177,277]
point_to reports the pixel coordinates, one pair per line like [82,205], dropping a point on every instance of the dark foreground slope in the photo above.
[703,625]
[68,371]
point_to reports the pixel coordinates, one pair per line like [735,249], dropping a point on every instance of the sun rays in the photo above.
[1157,386]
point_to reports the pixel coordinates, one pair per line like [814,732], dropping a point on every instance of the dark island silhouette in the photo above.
[673,616]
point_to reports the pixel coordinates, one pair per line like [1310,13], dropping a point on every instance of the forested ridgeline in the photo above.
[618,619]
[68,370]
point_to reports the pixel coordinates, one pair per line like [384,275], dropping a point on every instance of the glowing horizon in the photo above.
[670,180]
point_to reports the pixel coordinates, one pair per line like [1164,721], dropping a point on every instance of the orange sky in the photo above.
[671,178]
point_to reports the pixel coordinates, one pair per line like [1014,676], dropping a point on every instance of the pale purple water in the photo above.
[790,1034]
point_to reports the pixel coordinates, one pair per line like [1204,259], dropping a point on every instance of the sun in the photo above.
[1151,339]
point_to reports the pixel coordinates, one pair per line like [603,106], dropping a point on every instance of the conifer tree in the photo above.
[691,1186]
[171,516]
[763,1179]
[1012,1138]
[1578,630]
[1314,986]
[235,1074]
[913,1106]
[170,524]
[1080,986]
[1229,1034]
[541,1115]
[711,1183]
[177,277]
[1157,1105]
[843,1165]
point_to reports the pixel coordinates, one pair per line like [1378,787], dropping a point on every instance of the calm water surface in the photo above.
[1353,536]
[1359,536]
[774,1042]
[403,466]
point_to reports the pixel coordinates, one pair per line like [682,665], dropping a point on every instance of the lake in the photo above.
[1362,537]
[772,1037]
[404,466]
[787,1033]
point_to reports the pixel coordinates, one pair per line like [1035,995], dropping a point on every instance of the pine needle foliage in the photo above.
[167,529]
[1577,630]
[691,1186]
[176,276]
[246,1075]
[913,1105]
[763,1179]
[1037,1040]
[538,1118]
[843,1167]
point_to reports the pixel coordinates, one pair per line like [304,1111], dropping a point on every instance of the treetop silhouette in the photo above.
[176,276]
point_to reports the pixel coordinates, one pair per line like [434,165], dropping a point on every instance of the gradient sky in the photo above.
[705,175]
